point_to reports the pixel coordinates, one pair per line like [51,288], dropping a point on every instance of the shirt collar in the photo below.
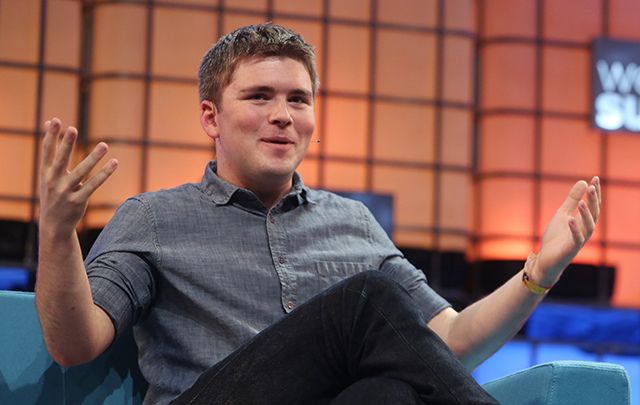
[221,192]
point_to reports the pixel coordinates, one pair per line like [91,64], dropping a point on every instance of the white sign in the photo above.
[616,85]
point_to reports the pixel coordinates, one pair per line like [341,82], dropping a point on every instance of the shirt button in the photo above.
[290,304]
[281,259]
[272,220]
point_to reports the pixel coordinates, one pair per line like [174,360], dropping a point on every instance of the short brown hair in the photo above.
[220,62]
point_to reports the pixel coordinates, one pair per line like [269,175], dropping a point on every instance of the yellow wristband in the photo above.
[530,284]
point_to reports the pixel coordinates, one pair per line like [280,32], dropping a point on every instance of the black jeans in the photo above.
[361,341]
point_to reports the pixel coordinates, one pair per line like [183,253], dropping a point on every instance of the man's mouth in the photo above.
[278,141]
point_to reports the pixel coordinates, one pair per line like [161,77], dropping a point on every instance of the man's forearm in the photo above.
[482,328]
[64,302]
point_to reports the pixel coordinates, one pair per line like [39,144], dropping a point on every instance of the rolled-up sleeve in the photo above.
[121,262]
[396,266]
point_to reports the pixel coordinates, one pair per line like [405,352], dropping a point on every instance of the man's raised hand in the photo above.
[567,233]
[64,191]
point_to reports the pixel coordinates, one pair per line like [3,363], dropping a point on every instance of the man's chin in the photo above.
[281,167]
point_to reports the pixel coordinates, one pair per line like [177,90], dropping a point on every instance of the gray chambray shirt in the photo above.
[200,269]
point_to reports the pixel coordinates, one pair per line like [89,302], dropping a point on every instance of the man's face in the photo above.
[264,121]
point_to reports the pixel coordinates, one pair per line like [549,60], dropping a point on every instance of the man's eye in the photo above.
[258,96]
[299,100]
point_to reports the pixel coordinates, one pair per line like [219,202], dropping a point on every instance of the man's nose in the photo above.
[280,115]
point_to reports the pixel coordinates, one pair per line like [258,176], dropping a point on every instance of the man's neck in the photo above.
[269,190]
[270,195]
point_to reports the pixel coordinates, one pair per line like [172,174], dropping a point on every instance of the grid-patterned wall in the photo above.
[396,76]
[535,136]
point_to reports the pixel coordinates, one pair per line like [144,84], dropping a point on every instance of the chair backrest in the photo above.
[28,375]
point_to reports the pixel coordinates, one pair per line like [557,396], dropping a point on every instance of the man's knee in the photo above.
[378,390]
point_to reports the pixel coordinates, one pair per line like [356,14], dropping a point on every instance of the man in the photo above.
[250,287]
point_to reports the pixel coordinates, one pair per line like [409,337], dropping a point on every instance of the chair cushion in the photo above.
[564,383]
[28,375]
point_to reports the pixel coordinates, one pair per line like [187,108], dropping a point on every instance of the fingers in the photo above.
[83,168]
[588,221]
[91,185]
[576,232]
[57,148]
[574,197]
[595,182]
[589,211]
[63,153]
[593,200]
[51,129]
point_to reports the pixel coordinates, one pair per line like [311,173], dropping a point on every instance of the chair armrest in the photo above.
[564,383]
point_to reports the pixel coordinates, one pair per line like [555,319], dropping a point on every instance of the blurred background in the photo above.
[470,120]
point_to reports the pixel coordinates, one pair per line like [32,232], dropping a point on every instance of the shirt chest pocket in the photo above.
[330,273]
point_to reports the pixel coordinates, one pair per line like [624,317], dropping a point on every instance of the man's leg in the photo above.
[366,326]
[378,391]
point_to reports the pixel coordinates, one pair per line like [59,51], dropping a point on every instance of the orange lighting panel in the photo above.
[15,210]
[17,97]
[567,78]
[119,35]
[570,147]
[404,132]
[456,140]
[309,169]
[116,109]
[572,20]
[508,76]
[412,190]
[254,5]
[60,97]
[422,13]
[232,21]
[19,30]
[509,18]
[458,69]
[302,7]
[506,143]
[406,64]
[460,15]
[504,249]
[352,9]
[63,45]
[345,176]
[211,3]
[413,239]
[346,130]
[622,157]
[174,114]
[622,214]
[506,207]
[16,165]
[452,242]
[180,39]
[169,167]
[348,65]
[455,200]
[623,19]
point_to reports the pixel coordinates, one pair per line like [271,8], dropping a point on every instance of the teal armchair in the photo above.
[28,375]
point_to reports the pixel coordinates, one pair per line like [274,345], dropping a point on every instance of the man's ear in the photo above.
[209,119]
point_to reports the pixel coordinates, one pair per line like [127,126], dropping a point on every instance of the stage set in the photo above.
[461,124]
